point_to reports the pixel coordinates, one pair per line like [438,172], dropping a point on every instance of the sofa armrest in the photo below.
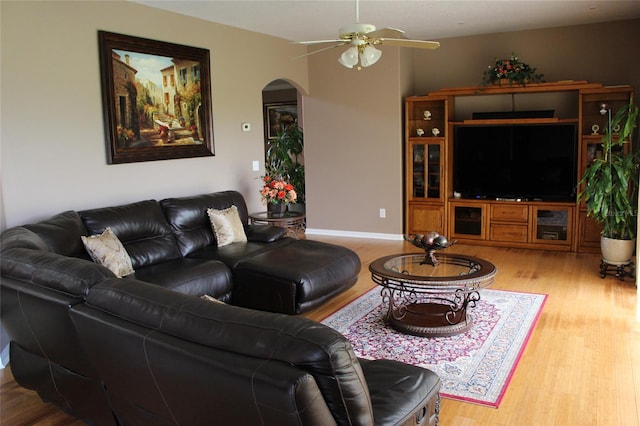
[402,394]
[21,237]
[70,275]
[264,233]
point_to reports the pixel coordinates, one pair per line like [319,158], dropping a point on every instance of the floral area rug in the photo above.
[475,366]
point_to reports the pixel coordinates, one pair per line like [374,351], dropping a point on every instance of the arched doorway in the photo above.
[283,135]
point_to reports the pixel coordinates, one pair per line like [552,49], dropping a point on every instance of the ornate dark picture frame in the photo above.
[277,116]
[156,99]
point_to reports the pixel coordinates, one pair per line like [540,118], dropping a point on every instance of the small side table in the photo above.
[294,222]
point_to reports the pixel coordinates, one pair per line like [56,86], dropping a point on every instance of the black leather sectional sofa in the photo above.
[146,349]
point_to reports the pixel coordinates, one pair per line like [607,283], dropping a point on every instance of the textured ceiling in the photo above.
[299,20]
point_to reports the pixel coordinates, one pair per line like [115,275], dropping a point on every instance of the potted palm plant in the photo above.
[611,184]
[285,158]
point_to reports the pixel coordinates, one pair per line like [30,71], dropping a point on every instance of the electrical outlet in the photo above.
[246,127]
[383,213]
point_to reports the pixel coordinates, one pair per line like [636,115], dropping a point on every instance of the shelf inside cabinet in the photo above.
[424,116]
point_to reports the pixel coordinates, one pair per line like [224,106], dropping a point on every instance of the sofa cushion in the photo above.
[188,217]
[190,276]
[317,349]
[142,229]
[295,278]
[265,233]
[106,249]
[234,253]
[226,226]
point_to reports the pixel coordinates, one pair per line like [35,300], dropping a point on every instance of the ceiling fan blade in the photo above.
[321,50]
[318,42]
[420,44]
[387,33]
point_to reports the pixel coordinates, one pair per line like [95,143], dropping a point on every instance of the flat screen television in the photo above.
[516,161]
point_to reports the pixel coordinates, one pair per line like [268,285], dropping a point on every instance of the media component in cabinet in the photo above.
[467,221]
[552,225]
[518,160]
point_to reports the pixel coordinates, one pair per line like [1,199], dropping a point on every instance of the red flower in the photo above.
[276,190]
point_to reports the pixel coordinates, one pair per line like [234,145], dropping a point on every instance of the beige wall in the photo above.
[354,132]
[602,53]
[53,155]
[53,150]
[353,125]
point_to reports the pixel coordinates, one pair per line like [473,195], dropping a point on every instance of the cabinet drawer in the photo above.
[507,232]
[510,213]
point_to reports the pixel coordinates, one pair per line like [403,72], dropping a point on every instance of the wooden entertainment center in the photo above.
[430,202]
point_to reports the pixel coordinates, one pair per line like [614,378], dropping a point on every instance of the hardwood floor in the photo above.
[581,366]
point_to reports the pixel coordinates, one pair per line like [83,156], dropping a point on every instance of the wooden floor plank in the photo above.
[581,366]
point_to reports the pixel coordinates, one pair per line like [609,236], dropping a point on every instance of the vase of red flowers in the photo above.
[277,194]
[276,208]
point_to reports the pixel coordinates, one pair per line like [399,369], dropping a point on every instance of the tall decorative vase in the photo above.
[277,208]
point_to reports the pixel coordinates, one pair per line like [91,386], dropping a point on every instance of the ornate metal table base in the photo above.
[619,271]
[432,317]
[431,299]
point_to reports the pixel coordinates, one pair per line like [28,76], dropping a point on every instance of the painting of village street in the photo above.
[158,100]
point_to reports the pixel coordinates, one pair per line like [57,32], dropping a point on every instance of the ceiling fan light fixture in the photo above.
[369,55]
[349,58]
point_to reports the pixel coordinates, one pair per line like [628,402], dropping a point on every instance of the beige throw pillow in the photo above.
[227,226]
[107,250]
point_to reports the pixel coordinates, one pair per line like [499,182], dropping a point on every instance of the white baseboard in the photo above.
[337,233]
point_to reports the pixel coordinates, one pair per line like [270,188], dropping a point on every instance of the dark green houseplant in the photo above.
[611,182]
[285,158]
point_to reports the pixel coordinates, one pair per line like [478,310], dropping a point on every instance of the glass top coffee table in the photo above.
[427,300]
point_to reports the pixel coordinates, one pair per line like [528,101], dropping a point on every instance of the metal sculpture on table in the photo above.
[430,243]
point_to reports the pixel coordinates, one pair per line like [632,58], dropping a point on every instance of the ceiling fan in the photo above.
[363,38]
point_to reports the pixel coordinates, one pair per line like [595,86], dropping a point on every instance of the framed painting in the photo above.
[156,99]
[277,116]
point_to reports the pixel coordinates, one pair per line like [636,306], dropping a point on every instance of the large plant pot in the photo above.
[616,252]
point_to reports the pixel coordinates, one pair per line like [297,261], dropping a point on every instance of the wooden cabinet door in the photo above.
[424,218]
[552,225]
[468,221]
[589,234]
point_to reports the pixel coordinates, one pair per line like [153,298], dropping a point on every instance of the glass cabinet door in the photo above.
[467,221]
[426,167]
[552,225]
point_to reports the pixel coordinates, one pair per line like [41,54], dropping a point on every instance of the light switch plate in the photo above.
[256,166]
